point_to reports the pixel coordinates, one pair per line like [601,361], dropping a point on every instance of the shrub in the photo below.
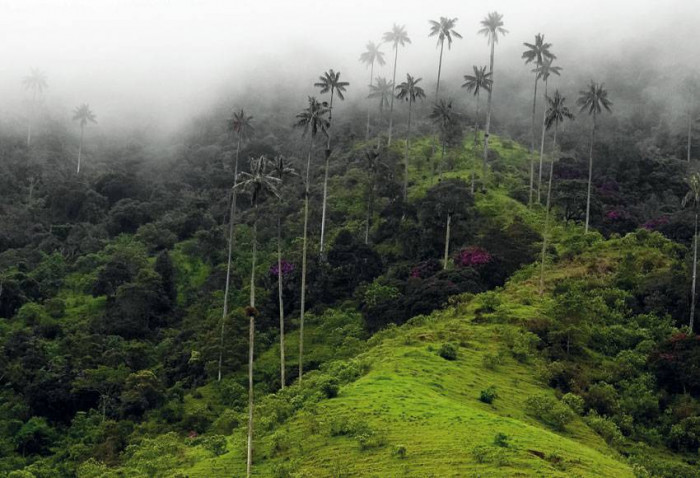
[501,439]
[574,402]
[400,451]
[549,411]
[604,427]
[685,435]
[329,386]
[488,395]
[448,351]
[491,361]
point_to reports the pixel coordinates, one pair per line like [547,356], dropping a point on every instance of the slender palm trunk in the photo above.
[590,173]
[690,127]
[369,102]
[31,119]
[544,130]
[279,295]
[325,177]
[487,128]
[391,105]
[442,161]
[545,235]
[447,241]
[476,141]
[251,343]
[695,270]
[80,147]
[532,143]
[437,88]
[232,214]
[370,206]
[405,161]
[303,260]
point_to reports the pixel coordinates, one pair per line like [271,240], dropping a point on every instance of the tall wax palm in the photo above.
[35,82]
[241,125]
[536,53]
[369,57]
[693,197]
[543,72]
[258,183]
[312,120]
[398,37]
[383,90]
[374,165]
[691,89]
[444,30]
[556,113]
[480,80]
[329,81]
[280,170]
[492,28]
[409,91]
[83,114]
[443,116]
[593,100]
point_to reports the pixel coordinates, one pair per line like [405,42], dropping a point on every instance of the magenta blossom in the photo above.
[287,268]
[472,256]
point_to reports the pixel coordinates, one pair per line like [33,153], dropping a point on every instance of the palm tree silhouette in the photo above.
[329,81]
[443,116]
[312,120]
[36,83]
[369,57]
[536,52]
[83,114]
[480,80]
[543,72]
[444,29]
[409,91]
[693,197]
[397,36]
[257,183]
[593,100]
[492,28]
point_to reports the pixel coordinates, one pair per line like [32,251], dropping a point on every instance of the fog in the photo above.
[146,62]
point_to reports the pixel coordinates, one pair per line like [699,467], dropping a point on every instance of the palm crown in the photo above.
[409,89]
[443,115]
[397,36]
[383,89]
[258,181]
[444,29]
[313,118]
[693,194]
[493,27]
[594,99]
[241,124]
[330,81]
[481,79]
[546,69]
[557,110]
[35,81]
[279,167]
[538,51]
[83,114]
[372,54]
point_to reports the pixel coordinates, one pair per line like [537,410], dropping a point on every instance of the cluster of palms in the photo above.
[36,83]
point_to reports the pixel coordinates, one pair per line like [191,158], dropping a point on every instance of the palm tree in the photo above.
[536,52]
[312,120]
[492,28]
[443,116]
[543,72]
[593,100]
[373,167]
[83,114]
[241,125]
[258,183]
[691,87]
[693,196]
[556,113]
[409,91]
[280,170]
[329,81]
[474,84]
[397,36]
[444,29]
[36,83]
[384,91]
[369,57]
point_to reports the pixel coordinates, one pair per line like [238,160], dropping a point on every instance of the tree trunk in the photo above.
[369,102]
[405,162]
[442,161]
[695,270]
[325,178]
[546,214]
[303,261]
[487,128]
[80,147]
[251,343]
[437,88]
[690,127]
[544,130]
[370,206]
[447,241]
[532,143]
[228,262]
[279,294]
[590,174]
[476,141]
[393,85]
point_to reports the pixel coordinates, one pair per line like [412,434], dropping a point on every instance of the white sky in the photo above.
[180,55]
